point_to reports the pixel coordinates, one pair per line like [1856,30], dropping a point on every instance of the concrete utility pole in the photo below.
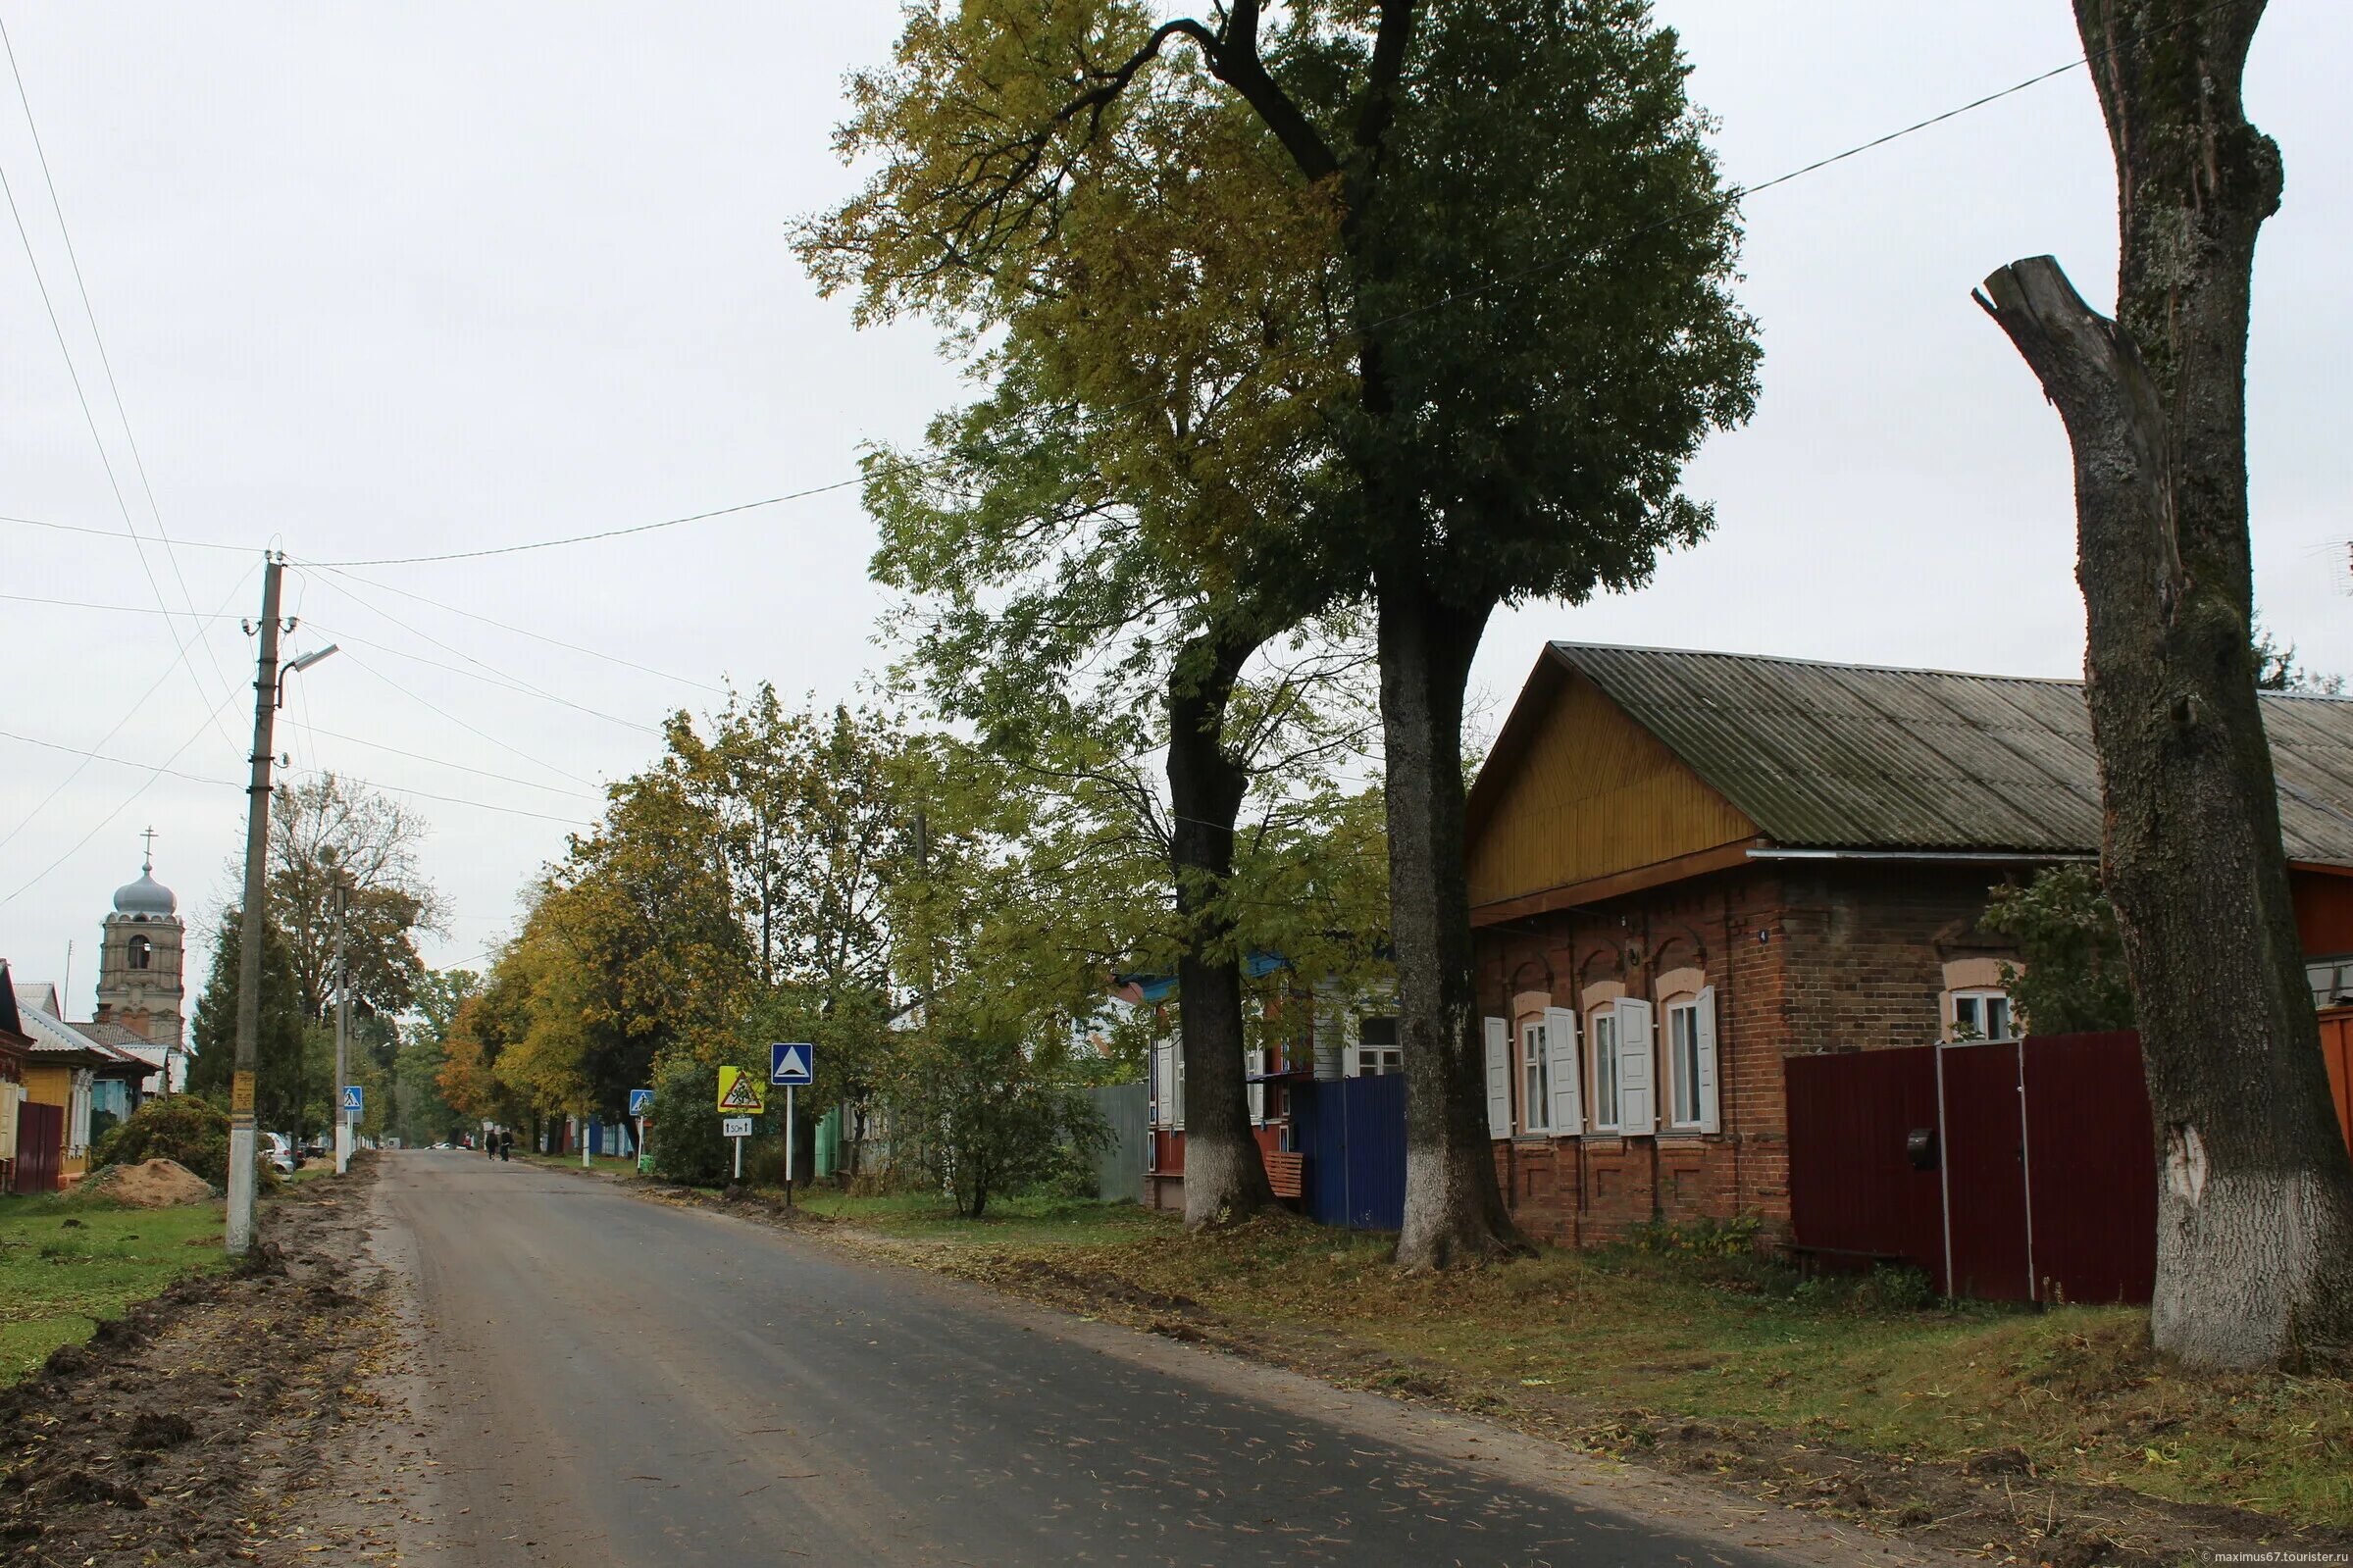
[343,1028]
[253,921]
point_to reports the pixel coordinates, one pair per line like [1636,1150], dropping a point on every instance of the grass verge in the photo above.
[1621,1351]
[1017,1223]
[65,1266]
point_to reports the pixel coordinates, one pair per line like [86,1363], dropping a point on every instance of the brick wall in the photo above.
[1805,956]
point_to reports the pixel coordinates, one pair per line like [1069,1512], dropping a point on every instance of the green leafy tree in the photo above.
[279,1092]
[2074,979]
[1084,541]
[988,1114]
[421,1113]
[1532,332]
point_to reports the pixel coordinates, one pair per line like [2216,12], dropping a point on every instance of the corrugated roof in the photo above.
[1865,757]
[37,1010]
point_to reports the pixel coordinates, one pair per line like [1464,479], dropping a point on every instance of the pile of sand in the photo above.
[148,1185]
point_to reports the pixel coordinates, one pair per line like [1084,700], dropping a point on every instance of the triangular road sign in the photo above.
[739,1091]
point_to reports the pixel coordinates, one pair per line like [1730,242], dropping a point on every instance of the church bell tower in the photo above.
[140,952]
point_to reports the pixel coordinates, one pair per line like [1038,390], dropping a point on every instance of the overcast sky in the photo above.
[400,280]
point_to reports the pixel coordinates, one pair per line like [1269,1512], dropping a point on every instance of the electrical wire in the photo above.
[105,361]
[116,609]
[1729,198]
[360,664]
[104,458]
[427,794]
[159,769]
[444,762]
[354,639]
[119,537]
[119,762]
[521,632]
[127,713]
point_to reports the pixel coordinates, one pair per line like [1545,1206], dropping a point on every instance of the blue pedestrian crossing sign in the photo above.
[640,1100]
[791,1066]
[353,1096]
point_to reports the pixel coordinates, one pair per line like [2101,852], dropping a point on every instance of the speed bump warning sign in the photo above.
[742,1091]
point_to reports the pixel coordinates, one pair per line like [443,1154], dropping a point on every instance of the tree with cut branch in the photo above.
[2255,1194]
[1531,258]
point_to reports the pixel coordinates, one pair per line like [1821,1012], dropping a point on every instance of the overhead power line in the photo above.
[119,762]
[1737,194]
[106,363]
[443,762]
[112,609]
[454,800]
[521,632]
[156,771]
[607,534]
[81,396]
[118,535]
[129,713]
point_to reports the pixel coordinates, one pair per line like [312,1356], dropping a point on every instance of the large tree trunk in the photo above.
[1225,1179]
[2255,1194]
[1454,1208]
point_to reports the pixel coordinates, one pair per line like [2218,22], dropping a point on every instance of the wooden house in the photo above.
[1686,867]
[89,1086]
[15,1055]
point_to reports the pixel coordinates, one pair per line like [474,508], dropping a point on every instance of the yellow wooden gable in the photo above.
[1577,800]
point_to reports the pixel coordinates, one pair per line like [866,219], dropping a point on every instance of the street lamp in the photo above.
[303,662]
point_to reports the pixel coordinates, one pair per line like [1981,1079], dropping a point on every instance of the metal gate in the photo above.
[40,1146]
[1353,1131]
[2009,1171]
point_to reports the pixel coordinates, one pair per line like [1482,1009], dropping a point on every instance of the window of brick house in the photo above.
[1377,1053]
[1693,1096]
[1981,1015]
[1683,1061]
[1535,1079]
[1601,1030]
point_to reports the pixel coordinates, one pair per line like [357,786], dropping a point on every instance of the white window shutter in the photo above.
[1637,1096]
[1254,1062]
[1711,1118]
[1163,1085]
[1499,1078]
[1560,1052]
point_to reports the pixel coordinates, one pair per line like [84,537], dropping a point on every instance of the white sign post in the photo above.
[736,1127]
[791,1064]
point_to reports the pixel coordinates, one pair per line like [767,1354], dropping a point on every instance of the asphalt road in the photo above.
[606,1380]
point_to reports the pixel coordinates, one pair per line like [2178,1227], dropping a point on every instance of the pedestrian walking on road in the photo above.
[506,1145]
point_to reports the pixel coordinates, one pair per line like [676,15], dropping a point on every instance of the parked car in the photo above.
[278,1150]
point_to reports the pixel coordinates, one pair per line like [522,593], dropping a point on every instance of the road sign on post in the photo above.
[793,1064]
[640,1100]
[354,1097]
[742,1091]
[735,1127]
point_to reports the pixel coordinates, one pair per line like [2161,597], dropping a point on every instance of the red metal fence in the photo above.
[2009,1171]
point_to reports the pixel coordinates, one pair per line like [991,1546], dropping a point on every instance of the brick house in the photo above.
[1686,867]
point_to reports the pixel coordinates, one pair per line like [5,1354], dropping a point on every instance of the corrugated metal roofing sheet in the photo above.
[1861,757]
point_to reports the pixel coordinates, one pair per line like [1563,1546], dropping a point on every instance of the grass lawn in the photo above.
[1595,1342]
[58,1280]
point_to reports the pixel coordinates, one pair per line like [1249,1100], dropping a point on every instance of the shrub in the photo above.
[182,1127]
[684,1135]
[1700,1238]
